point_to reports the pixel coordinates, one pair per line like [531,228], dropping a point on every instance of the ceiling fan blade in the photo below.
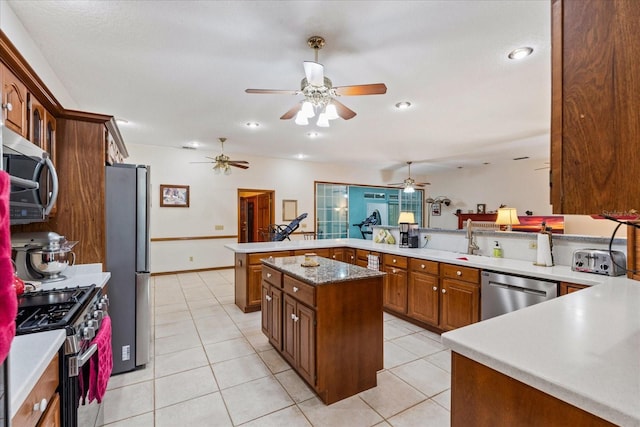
[292,112]
[343,111]
[369,89]
[421,184]
[238,161]
[276,91]
[201,162]
[314,73]
[238,165]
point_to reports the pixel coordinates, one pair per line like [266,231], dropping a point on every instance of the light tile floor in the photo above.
[212,366]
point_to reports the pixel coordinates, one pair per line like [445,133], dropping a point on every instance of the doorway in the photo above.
[256,210]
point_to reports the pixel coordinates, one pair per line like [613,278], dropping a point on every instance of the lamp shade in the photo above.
[406,217]
[508,217]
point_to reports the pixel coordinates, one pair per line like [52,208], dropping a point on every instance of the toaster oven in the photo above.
[599,261]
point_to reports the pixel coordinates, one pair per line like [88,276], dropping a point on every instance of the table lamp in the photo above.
[507,217]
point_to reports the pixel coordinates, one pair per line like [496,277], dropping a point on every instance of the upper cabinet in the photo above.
[14,102]
[595,123]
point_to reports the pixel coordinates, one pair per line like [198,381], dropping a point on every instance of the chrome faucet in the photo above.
[472,246]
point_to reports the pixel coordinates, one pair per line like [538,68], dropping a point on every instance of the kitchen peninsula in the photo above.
[325,319]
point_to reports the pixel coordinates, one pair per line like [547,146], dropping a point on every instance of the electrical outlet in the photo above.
[219,227]
[303,225]
[533,245]
[191,258]
[427,237]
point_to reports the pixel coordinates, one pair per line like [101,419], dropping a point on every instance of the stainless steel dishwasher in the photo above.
[503,293]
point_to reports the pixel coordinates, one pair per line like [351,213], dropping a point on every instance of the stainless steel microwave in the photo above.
[34,182]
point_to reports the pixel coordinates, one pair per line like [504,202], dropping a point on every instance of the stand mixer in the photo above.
[42,256]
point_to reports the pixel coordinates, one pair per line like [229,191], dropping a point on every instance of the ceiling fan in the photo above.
[320,94]
[409,184]
[223,163]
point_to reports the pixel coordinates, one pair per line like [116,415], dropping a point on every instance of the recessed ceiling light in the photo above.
[403,105]
[520,53]
[313,134]
[301,156]
[122,121]
[253,125]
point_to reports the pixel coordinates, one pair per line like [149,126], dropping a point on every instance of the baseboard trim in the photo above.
[198,270]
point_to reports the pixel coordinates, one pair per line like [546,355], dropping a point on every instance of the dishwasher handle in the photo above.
[519,289]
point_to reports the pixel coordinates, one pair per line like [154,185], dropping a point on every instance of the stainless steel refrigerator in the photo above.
[127,226]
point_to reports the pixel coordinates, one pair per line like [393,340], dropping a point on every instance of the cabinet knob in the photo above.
[40,406]
[7,106]
[268,298]
[394,260]
[295,289]
[269,275]
[422,266]
[435,288]
[393,270]
[444,291]
[459,273]
[294,317]
[334,257]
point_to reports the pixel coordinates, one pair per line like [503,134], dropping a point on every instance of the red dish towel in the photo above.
[101,364]
[8,299]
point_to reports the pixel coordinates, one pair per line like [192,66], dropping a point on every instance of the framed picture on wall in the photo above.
[436,209]
[481,208]
[174,196]
[289,210]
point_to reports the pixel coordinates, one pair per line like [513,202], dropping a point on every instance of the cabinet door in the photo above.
[459,305]
[36,120]
[350,255]
[254,294]
[51,417]
[595,135]
[306,348]
[423,297]
[567,288]
[265,312]
[14,102]
[275,312]
[288,329]
[395,289]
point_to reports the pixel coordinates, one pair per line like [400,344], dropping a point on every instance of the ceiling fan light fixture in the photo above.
[301,119]
[520,53]
[331,112]
[403,105]
[409,189]
[227,170]
[323,121]
[307,109]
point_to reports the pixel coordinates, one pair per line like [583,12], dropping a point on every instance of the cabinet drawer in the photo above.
[44,389]
[423,266]
[467,274]
[255,258]
[272,276]
[301,291]
[394,261]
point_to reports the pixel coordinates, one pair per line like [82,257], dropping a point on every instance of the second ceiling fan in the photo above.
[320,94]
[409,184]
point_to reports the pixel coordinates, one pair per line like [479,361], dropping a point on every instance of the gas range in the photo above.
[51,309]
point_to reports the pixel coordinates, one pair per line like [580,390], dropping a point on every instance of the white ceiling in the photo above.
[177,71]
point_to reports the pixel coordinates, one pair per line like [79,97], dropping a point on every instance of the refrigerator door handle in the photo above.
[143,319]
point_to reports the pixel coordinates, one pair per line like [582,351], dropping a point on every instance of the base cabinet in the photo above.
[248,279]
[299,346]
[272,307]
[42,406]
[395,283]
[567,288]
[423,296]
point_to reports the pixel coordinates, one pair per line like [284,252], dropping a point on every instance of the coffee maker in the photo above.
[409,235]
[414,236]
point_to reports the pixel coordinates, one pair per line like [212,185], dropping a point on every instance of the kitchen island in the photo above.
[326,321]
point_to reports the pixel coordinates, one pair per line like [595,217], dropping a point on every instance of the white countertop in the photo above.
[558,272]
[583,348]
[31,353]
[29,357]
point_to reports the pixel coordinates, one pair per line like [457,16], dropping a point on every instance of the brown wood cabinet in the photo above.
[248,279]
[362,257]
[460,297]
[14,102]
[272,306]
[423,299]
[32,412]
[331,334]
[395,283]
[481,396]
[347,255]
[567,288]
[595,127]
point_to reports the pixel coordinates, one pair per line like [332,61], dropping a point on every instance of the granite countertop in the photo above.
[31,353]
[583,348]
[327,271]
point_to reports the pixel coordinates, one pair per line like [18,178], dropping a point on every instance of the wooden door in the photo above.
[264,208]
[423,297]
[395,289]
[243,230]
[459,305]
[306,348]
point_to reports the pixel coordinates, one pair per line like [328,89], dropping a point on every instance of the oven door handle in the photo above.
[84,357]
